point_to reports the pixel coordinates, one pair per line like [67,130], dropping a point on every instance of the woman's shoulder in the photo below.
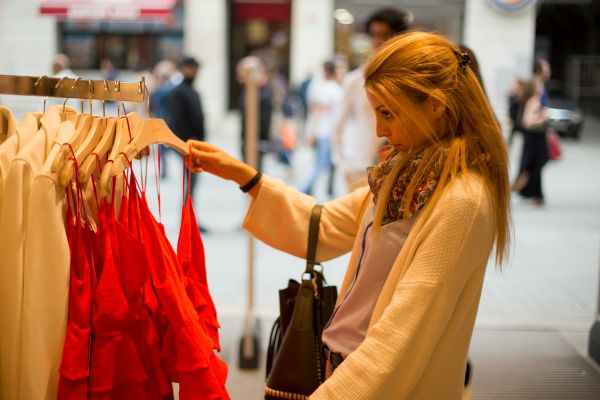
[467,191]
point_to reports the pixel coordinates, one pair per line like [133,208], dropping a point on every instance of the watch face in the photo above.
[511,6]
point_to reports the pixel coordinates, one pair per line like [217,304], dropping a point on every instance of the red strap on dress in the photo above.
[74,367]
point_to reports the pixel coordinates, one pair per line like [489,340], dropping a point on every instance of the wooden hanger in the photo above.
[124,134]
[90,163]
[89,143]
[50,122]
[149,131]
[65,134]
[81,129]
[8,123]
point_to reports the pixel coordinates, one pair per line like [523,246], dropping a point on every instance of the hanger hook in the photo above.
[141,85]
[45,100]
[59,83]
[39,80]
[147,96]
[91,89]
[65,104]
[75,83]
[117,86]
[103,108]
[105,86]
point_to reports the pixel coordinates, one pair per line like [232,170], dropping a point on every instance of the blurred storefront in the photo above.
[261,28]
[294,36]
[133,35]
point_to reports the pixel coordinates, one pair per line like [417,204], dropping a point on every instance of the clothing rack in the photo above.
[74,88]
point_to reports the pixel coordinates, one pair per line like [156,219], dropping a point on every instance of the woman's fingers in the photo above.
[203,146]
[200,156]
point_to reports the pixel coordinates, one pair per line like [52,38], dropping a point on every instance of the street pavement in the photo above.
[549,287]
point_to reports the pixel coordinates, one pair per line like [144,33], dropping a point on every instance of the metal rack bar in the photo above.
[78,88]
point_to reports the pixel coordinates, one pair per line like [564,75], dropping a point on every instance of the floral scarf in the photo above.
[395,205]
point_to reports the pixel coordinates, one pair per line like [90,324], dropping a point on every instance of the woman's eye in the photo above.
[386,114]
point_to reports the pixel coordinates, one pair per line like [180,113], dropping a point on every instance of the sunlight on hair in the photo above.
[416,66]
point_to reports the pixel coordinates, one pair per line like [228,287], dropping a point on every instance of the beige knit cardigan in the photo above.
[418,337]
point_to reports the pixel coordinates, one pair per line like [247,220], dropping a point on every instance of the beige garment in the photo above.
[45,280]
[9,149]
[8,123]
[13,220]
[419,333]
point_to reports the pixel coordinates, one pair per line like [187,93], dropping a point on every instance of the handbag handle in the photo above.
[313,238]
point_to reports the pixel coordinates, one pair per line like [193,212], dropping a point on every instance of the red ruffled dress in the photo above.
[125,361]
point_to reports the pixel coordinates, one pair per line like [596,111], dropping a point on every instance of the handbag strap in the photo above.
[313,238]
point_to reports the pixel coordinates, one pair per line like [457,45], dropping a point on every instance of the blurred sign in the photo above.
[511,6]
[108,9]
[269,10]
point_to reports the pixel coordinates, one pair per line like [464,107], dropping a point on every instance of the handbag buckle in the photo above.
[312,277]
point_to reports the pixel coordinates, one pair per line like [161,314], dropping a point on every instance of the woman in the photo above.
[533,122]
[420,234]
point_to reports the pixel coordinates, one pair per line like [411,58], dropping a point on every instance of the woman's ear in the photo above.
[437,103]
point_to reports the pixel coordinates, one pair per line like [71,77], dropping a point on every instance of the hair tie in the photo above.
[464,59]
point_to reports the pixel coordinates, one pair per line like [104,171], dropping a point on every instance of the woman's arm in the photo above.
[279,215]
[455,242]
[534,115]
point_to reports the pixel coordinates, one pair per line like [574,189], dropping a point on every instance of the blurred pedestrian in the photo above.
[324,99]
[163,76]
[514,105]
[541,74]
[355,144]
[109,72]
[533,122]
[61,67]
[185,115]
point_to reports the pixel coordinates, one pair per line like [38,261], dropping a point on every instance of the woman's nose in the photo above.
[380,131]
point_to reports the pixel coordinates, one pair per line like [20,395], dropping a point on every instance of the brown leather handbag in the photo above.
[295,360]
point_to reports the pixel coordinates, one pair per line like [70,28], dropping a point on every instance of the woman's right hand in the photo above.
[209,158]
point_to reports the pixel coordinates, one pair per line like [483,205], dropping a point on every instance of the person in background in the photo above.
[514,105]
[533,122]
[164,82]
[541,75]
[303,95]
[324,98]
[109,72]
[185,115]
[60,67]
[355,144]
[420,233]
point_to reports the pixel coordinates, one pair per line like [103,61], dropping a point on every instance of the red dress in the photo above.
[74,367]
[190,252]
[187,348]
[125,361]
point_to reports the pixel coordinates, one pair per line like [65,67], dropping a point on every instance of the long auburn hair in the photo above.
[420,65]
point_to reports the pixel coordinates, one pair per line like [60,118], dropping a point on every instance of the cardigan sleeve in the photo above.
[279,216]
[455,241]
